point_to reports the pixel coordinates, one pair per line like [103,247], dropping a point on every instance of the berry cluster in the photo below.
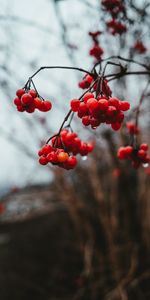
[116,27]
[96,51]
[94,111]
[139,47]
[138,155]
[29,101]
[114,7]
[132,128]
[61,149]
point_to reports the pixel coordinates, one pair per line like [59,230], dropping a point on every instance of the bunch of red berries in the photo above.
[61,149]
[71,142]
[96,51]
[28,100]
[132,128]
[114,7]
[138,155]
[116,27]
[139,47]
[94,111]
[56,156]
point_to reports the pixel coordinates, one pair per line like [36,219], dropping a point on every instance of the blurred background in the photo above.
[82,234]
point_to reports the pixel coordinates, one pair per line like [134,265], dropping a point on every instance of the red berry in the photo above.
[33,93]
[114,102]
[111,111]
[20,108]
[116,126]
[82,108]
[26,99]
[38,103]
[20,92]
[86,120]
[62,157]
[17,102]
[46,105]
[71,162]
[103,104]
[87,96]
[129,150]
[74,104]
[141,154]
[124,105]
[43,160]
[89,78]
[144,147]
[30,109]
[121,154]
[52,157]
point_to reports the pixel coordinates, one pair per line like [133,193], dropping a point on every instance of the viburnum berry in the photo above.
[132,128]
[144,147]
[137,155]
[139,47]
[86,82]
[75,104]
[43,160]
[124,105]
[27,100]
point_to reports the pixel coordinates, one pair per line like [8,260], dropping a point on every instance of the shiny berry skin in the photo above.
[46,105]
[103,104]
[62,157]
[116,126]
[71,162]
[124,105]
[30,109]
[37,103]
[87,96]
[43,160]
[111,111]
[75,104]
[20,92]
[17,101]
[141,153]
[114,102]
[132,128]
[144,147]
[52,157]
[33,93]
[92,105]
[20,108]
[27,99]
[86,120]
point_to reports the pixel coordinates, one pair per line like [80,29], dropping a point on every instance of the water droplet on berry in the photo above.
[84,158]
[94,127]
[145,165]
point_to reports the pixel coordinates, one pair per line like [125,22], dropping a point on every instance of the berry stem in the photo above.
[60,67]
